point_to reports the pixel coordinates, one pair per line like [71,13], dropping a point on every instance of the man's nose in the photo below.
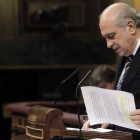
[109,44]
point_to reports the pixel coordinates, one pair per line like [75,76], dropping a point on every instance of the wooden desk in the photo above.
[46,124]
[21,137]
[25,137]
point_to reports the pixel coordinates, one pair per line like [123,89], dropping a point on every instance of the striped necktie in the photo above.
[127,66]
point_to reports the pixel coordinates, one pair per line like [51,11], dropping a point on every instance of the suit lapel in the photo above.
[132,72]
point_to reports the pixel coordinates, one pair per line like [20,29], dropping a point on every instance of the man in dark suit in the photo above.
[120,26]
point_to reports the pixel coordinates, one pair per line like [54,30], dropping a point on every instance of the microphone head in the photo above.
[84,78]
[64,81]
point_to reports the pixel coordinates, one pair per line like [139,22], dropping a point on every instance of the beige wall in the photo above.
[125,1]
[134,3]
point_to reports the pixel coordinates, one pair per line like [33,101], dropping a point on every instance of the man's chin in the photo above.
[121,54]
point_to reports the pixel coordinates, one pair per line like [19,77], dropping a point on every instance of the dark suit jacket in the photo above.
[131,84]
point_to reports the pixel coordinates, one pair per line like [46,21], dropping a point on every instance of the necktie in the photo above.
[127,66]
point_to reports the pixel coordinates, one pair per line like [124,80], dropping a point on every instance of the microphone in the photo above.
[63,82]
[80,133]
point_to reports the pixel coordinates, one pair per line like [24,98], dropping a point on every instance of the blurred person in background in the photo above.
[103,76]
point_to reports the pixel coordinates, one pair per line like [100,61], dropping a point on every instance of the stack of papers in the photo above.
[109,106]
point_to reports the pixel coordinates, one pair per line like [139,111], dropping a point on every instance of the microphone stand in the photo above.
[80,133]
[63,82]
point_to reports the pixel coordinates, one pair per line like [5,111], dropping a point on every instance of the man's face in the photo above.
[117,38]
[106,85]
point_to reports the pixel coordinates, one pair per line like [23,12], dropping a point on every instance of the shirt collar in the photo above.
[136,48]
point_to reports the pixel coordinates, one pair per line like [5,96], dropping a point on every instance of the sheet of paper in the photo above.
[99,130]
[91,129]
[101,139]
[109,106]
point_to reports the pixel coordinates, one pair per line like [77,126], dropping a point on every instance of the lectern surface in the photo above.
[25,137]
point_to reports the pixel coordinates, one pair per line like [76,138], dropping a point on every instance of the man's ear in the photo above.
[131,26]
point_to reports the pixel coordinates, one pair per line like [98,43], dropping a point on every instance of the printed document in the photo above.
[109,106]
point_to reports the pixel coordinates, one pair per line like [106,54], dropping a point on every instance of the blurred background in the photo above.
[44,41]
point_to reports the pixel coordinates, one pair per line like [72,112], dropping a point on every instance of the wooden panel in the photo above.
[66,53]
[81,20]
[8,24]
[46,13]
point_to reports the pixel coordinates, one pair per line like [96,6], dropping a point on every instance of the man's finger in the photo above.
[105,125]
[136,112]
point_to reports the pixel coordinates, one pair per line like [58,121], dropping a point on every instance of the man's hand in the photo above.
[86,125]
[105,125]
[135,117]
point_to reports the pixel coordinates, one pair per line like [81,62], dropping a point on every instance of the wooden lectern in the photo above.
[45,123]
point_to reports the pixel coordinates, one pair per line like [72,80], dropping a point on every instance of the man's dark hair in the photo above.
[103,72]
